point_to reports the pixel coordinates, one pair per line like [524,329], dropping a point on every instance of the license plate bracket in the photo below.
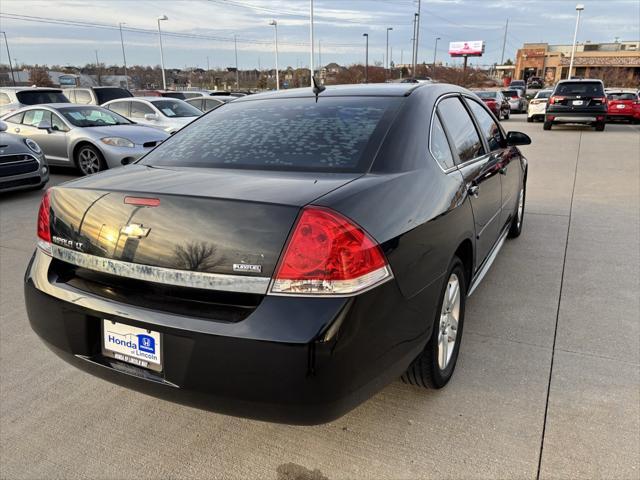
[132,345]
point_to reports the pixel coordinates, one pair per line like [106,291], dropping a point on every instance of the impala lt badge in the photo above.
[247,268]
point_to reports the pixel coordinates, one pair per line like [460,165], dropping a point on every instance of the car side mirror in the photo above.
[3,126]
[150,116]
[518,138]
[45,125]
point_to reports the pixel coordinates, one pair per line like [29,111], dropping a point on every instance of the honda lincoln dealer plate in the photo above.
[285,256]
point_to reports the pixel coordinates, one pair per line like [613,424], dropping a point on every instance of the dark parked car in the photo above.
[577,101]
[22,163]
[286,256]
[519,85]
[497,103]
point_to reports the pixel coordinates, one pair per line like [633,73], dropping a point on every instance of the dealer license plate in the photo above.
[578,102]
[134,345]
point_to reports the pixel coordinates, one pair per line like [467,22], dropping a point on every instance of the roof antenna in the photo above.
[317,88]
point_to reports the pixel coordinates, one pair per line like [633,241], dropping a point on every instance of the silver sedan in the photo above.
[89,137]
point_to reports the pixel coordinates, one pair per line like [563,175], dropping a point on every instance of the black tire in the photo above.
[425,370]
[600,126]
[518,217]
[89,160]
[547,125]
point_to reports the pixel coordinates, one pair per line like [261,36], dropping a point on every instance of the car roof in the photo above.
[359,90]
[581,80]
[20,89]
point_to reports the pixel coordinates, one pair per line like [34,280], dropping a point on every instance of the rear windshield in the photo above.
[511,93]
[179,95]
[580,88]
[543,94]
[106,94]
[486,94]
[332,135]
[36,97]
[622,96]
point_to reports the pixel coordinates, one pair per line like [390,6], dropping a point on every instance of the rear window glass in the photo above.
[36,97]
[179,95]
[622,96]
[487,94]
[106,94]
[510,93]
[334,134]
[543,94]
[580,88]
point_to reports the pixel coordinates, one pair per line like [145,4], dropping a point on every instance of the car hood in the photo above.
[138,134]
[12,144]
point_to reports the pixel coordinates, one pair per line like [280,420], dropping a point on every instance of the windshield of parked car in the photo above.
[106,94]
[622,96]
[92,117]
[511,93]
[297,134]
[487,94]
[176,108]
[37,97]
[543,94]
[580,88]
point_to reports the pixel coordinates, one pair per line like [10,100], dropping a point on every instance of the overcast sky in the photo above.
[339,25]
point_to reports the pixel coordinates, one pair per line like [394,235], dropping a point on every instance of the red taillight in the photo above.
[44,217]
[554,100]
[329,254]
[142,201]
[602,100]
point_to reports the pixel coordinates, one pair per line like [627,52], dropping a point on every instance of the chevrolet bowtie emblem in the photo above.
[135,230]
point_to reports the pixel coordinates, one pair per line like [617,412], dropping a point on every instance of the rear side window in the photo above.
[17,118]
[335,134]
[211,103]
[489,128]
[33,118]
[585,89]
[36,97]
[462,131]
[106,94]
[83,97]
[120,107]
[439,145]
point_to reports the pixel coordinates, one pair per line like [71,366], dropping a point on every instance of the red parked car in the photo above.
[623,106]
[496,102]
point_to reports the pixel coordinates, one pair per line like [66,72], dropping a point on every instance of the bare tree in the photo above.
[196,256]
[39,77]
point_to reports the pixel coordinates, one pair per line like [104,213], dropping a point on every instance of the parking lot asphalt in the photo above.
[547,382]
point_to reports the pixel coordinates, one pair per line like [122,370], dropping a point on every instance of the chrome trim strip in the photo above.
[167,276]
[488,262]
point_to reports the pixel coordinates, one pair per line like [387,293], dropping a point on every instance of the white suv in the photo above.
[538,105]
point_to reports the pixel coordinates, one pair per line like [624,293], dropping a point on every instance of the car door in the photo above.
[479,169]
[52,142]
[506,158]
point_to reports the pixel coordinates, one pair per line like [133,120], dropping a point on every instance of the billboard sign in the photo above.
[470,49]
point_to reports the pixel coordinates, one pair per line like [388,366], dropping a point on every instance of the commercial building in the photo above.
[619,60]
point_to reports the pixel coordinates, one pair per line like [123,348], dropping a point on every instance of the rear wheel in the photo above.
[600,126]
[435,365]
[547,125]
[89,160]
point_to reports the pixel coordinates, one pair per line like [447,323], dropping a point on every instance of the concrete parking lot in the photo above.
[547,383]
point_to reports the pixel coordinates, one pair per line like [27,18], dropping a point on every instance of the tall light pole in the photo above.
[579,9]
[504,41]
[311,38]
[98,66]
[124,57]
[164,78]
[366,58]
[435,53]
[13,78]
[415,61]
[275,24]
[415,45]
[235,44]
[387,54]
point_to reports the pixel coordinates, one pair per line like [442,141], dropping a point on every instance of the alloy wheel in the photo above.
[449,316]
[88,161]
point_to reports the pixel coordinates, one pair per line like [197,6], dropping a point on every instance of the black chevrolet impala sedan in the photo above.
[286,255]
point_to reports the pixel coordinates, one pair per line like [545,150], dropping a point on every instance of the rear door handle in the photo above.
[474,191]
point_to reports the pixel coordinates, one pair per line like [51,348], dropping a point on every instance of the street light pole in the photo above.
[124,57]
[13,78]
[311,38]
[235,43]
[387,50]
[98,66]
[435,53]
[415,62]
[366,58]
[414,54]
[164,78]
[579,9]
[275,24]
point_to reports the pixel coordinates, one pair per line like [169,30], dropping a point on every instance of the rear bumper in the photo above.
[293,360]
[562,114]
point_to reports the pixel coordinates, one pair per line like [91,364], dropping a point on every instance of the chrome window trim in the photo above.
[463,164]
[167,276]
